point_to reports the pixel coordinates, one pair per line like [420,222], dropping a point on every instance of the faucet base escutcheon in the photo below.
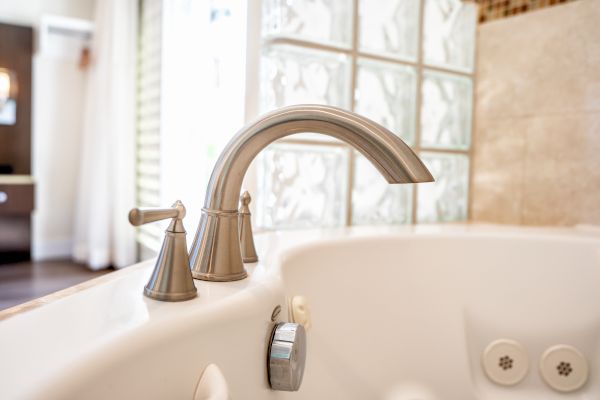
[217,238]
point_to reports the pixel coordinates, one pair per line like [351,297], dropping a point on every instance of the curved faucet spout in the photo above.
[215,253]
[389,154]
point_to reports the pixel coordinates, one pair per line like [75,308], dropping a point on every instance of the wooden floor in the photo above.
[24,281]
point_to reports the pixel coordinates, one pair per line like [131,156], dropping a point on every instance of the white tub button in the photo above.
[564,368]
[505,362]
[301,312]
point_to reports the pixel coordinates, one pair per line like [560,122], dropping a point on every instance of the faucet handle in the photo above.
[245,200]
[171,279]
[245,230]
[143,215]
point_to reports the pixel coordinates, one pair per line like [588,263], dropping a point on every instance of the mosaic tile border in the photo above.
[490,10]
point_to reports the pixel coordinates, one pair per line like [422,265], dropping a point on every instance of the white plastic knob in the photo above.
[301,312]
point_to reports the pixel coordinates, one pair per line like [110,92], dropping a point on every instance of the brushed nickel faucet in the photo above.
[171,279]
[215,254]
[245,230]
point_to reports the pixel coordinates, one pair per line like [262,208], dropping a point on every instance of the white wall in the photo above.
[58,87]
[29,12]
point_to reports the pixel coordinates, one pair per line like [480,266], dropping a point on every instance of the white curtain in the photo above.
[106,191]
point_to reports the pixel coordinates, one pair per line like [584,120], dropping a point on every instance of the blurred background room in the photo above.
[110,104]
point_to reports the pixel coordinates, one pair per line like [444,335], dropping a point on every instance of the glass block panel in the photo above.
[386,93]
[449,34]
[323,21]
[390,27]
[445,199]
[374,200]
[446,111]
[302,186]
[295,75]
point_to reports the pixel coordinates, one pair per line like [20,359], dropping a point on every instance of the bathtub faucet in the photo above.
[215,254]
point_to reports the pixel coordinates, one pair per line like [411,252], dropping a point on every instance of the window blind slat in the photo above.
[148,118]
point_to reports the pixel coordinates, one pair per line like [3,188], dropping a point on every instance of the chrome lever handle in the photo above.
[143,215]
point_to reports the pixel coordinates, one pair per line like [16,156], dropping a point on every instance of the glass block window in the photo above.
[390,27]
[376,202]
[320,21]
[449,34]
[407,64]
[302,186]
[445,199]
[446,103]
[298,75]
[386,92]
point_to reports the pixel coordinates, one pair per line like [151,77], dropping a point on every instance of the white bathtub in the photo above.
[397,313]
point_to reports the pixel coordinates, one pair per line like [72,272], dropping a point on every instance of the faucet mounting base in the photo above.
[218,277]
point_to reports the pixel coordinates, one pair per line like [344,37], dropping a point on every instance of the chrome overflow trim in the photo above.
[287,357]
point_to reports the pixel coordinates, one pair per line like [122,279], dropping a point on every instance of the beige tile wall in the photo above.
[536,154]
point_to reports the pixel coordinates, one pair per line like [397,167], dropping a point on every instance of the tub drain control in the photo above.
[564,368]
[287,356]
[505,362]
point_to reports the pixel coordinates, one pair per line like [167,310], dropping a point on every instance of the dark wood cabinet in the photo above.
[16,204]
[16,199]
[16,185]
